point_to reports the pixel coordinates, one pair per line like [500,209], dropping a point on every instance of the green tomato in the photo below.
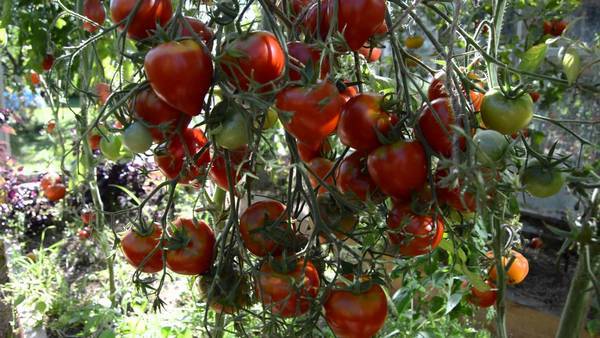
[491,146]
[541,181]
[111,147]
[233,133]
[137,138]
[270,120]
[506,115]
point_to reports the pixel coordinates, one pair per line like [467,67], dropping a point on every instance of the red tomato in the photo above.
[414,234]
[87,217]
[93,10]
[536,243]
[288,293]
[356,314]
[253,60]
[299,5]
[348,92]
[84,233]
[306,55]
[477,97]
[218,170]
[49,180]
[435,124]
[136,247]
[307,153]
[315,111]
[48,62]
[452,196]
[173,161]
[484,298]
[195,256]
[94,140]
[35,78]
[320,167]
[144,22]
[361,117]
[555,27]
[103,92]
[535,96]
[352,177]
[258,224]
[399,169]
[160,118]
[55,192]
[371,54]
[180,73]
[198,27]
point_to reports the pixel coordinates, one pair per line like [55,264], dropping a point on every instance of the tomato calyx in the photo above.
[226,289]
[356,282]
[178,237]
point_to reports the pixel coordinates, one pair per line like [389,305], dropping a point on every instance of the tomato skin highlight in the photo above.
[196,257]
[136,247]
[306,55]
[180,74]
[360,117]
[352,177]
[435,124]
[504,114]
[398,169]
[258,216]
[414,234]
[356,315]
[518,269]
[315,112]
[160,118]
[144,21]
[254,58]
[93,10]
[279,291]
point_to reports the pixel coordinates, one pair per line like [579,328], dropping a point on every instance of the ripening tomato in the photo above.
[50,126]
[138,246]
[137,138]
[414,42]
[288,291]
[517,271]
[504,114]
[477,97]
[198,27]
[536,243]
[340,220]
[554,27]
[93,10]
[262,227]
[347,92]
[320,167]
[372,54]
[361,120]
[160,118]
[315,111]
[173,160]
[143,24]
[35,78]
[87,217]
[193,245]
[94,140]
[47,62]
[414,234]
[399,169]
[485,298]
[55,192]
[49,180]
[456,197]
[226,290]
[541,181]
[535,96]
[180,72]
[306,55]
[436,123]
[356,314]
[218,170]
[307,153]
[352,177]
[84,234]
[253,60]
[103,92]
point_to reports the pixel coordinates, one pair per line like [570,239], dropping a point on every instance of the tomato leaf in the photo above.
[453,301]
[474,278]
[533,57]
[571,64]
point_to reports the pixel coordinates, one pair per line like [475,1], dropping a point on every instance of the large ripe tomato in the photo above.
[198,27]
[414,234]
[436,126]
[93,10]
[194,243]
[55,192]
[137,138]
[143,24]
[47,62]
[484,298]
[137,247]
[315,111]
[360,121]
[173,160]
[352,177]
[517,271]
[555,27]
[306,55]
[253,60]
[504,114]
[158,116]
[541,181]
[399,169]
[491,147]
[180,72]
[288,293]
[261,225]
[218,170]
[307,153]
[320,167]
[356,314]
[455,197]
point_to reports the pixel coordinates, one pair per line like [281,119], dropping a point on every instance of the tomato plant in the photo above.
[414,234]
[143,23]
[504,114]
[261,225]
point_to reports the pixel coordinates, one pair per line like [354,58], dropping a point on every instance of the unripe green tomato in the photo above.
[504,114]
[111,147]
[541,181]
[233,133]
[137,138]
[491,146]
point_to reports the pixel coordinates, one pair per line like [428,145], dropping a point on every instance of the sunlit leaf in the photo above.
[533,57]
[571,64]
